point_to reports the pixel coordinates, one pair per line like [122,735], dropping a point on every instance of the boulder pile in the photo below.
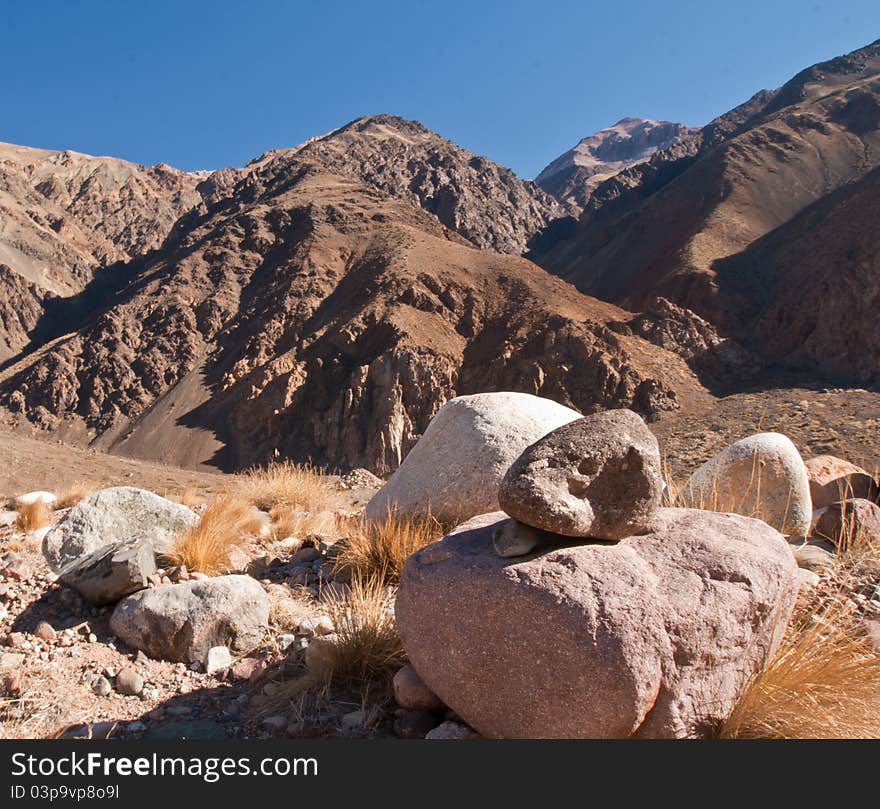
[108,547]
[638,621]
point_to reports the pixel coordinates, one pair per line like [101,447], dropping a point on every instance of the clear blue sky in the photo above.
[208,84]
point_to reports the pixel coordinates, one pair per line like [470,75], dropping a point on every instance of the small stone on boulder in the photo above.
[596,477]
[111,572]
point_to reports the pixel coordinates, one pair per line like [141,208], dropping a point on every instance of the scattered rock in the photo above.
[275,724]
[410,691]
[852,522]
[183,621]
[761,476]
[318,625]
[817,555]
[29,499]
[111,572]
[188,729]
[115,515]
[807,578]
[44,631]
[218,659]
[452,731]
[456,467]
[833,479]
[129,682]
[321,655]
[595,477]
[653,636]
[101,686]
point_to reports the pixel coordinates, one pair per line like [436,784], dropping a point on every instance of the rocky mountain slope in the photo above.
[479,199]
[574,175]
[677,225]
[309,314]
[64,214]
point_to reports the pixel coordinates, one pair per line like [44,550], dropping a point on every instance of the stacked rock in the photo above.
[584,610]
[598,477]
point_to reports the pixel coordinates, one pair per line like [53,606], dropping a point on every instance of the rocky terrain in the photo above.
[669,610]
[574,175]
[741,221]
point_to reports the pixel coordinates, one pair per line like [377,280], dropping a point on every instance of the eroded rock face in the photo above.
[183,622]
[653,636]
[760,476]
[456,467]
[597,477]
[118,514]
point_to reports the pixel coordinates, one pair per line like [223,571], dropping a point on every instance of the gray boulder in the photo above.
[112,515]
[111,572]
[455,468]
[597,477]
[183,622]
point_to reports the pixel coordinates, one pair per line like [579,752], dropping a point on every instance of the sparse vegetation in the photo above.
[72,495]
[368,647]
[295,486]
[206,546]
[32,516]
[823,682]
[190,497]
[290,522]
[378,549]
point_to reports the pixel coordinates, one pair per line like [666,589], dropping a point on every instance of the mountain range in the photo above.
[324,300]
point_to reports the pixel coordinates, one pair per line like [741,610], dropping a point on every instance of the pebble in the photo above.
[44,631]
[101,686]
[218,659]
[129,682]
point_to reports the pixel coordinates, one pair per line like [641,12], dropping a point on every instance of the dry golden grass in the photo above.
[823,683]
[290,522]
[206,546]
[288,609]
[32,516]
[73,494]
[190,497]
[368,647]
[378,549]
[297,486]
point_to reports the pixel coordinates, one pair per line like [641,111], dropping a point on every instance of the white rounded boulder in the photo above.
[456,467]
[761,476]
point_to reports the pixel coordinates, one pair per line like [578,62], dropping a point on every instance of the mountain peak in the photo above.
[572,177]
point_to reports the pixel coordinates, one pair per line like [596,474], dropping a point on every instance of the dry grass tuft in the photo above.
[368,648]
[378,549]
[823,683]
[288,609]
[290,522]
[297,486]
[190,497]
[206,546]
[32,516]
[73,494]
